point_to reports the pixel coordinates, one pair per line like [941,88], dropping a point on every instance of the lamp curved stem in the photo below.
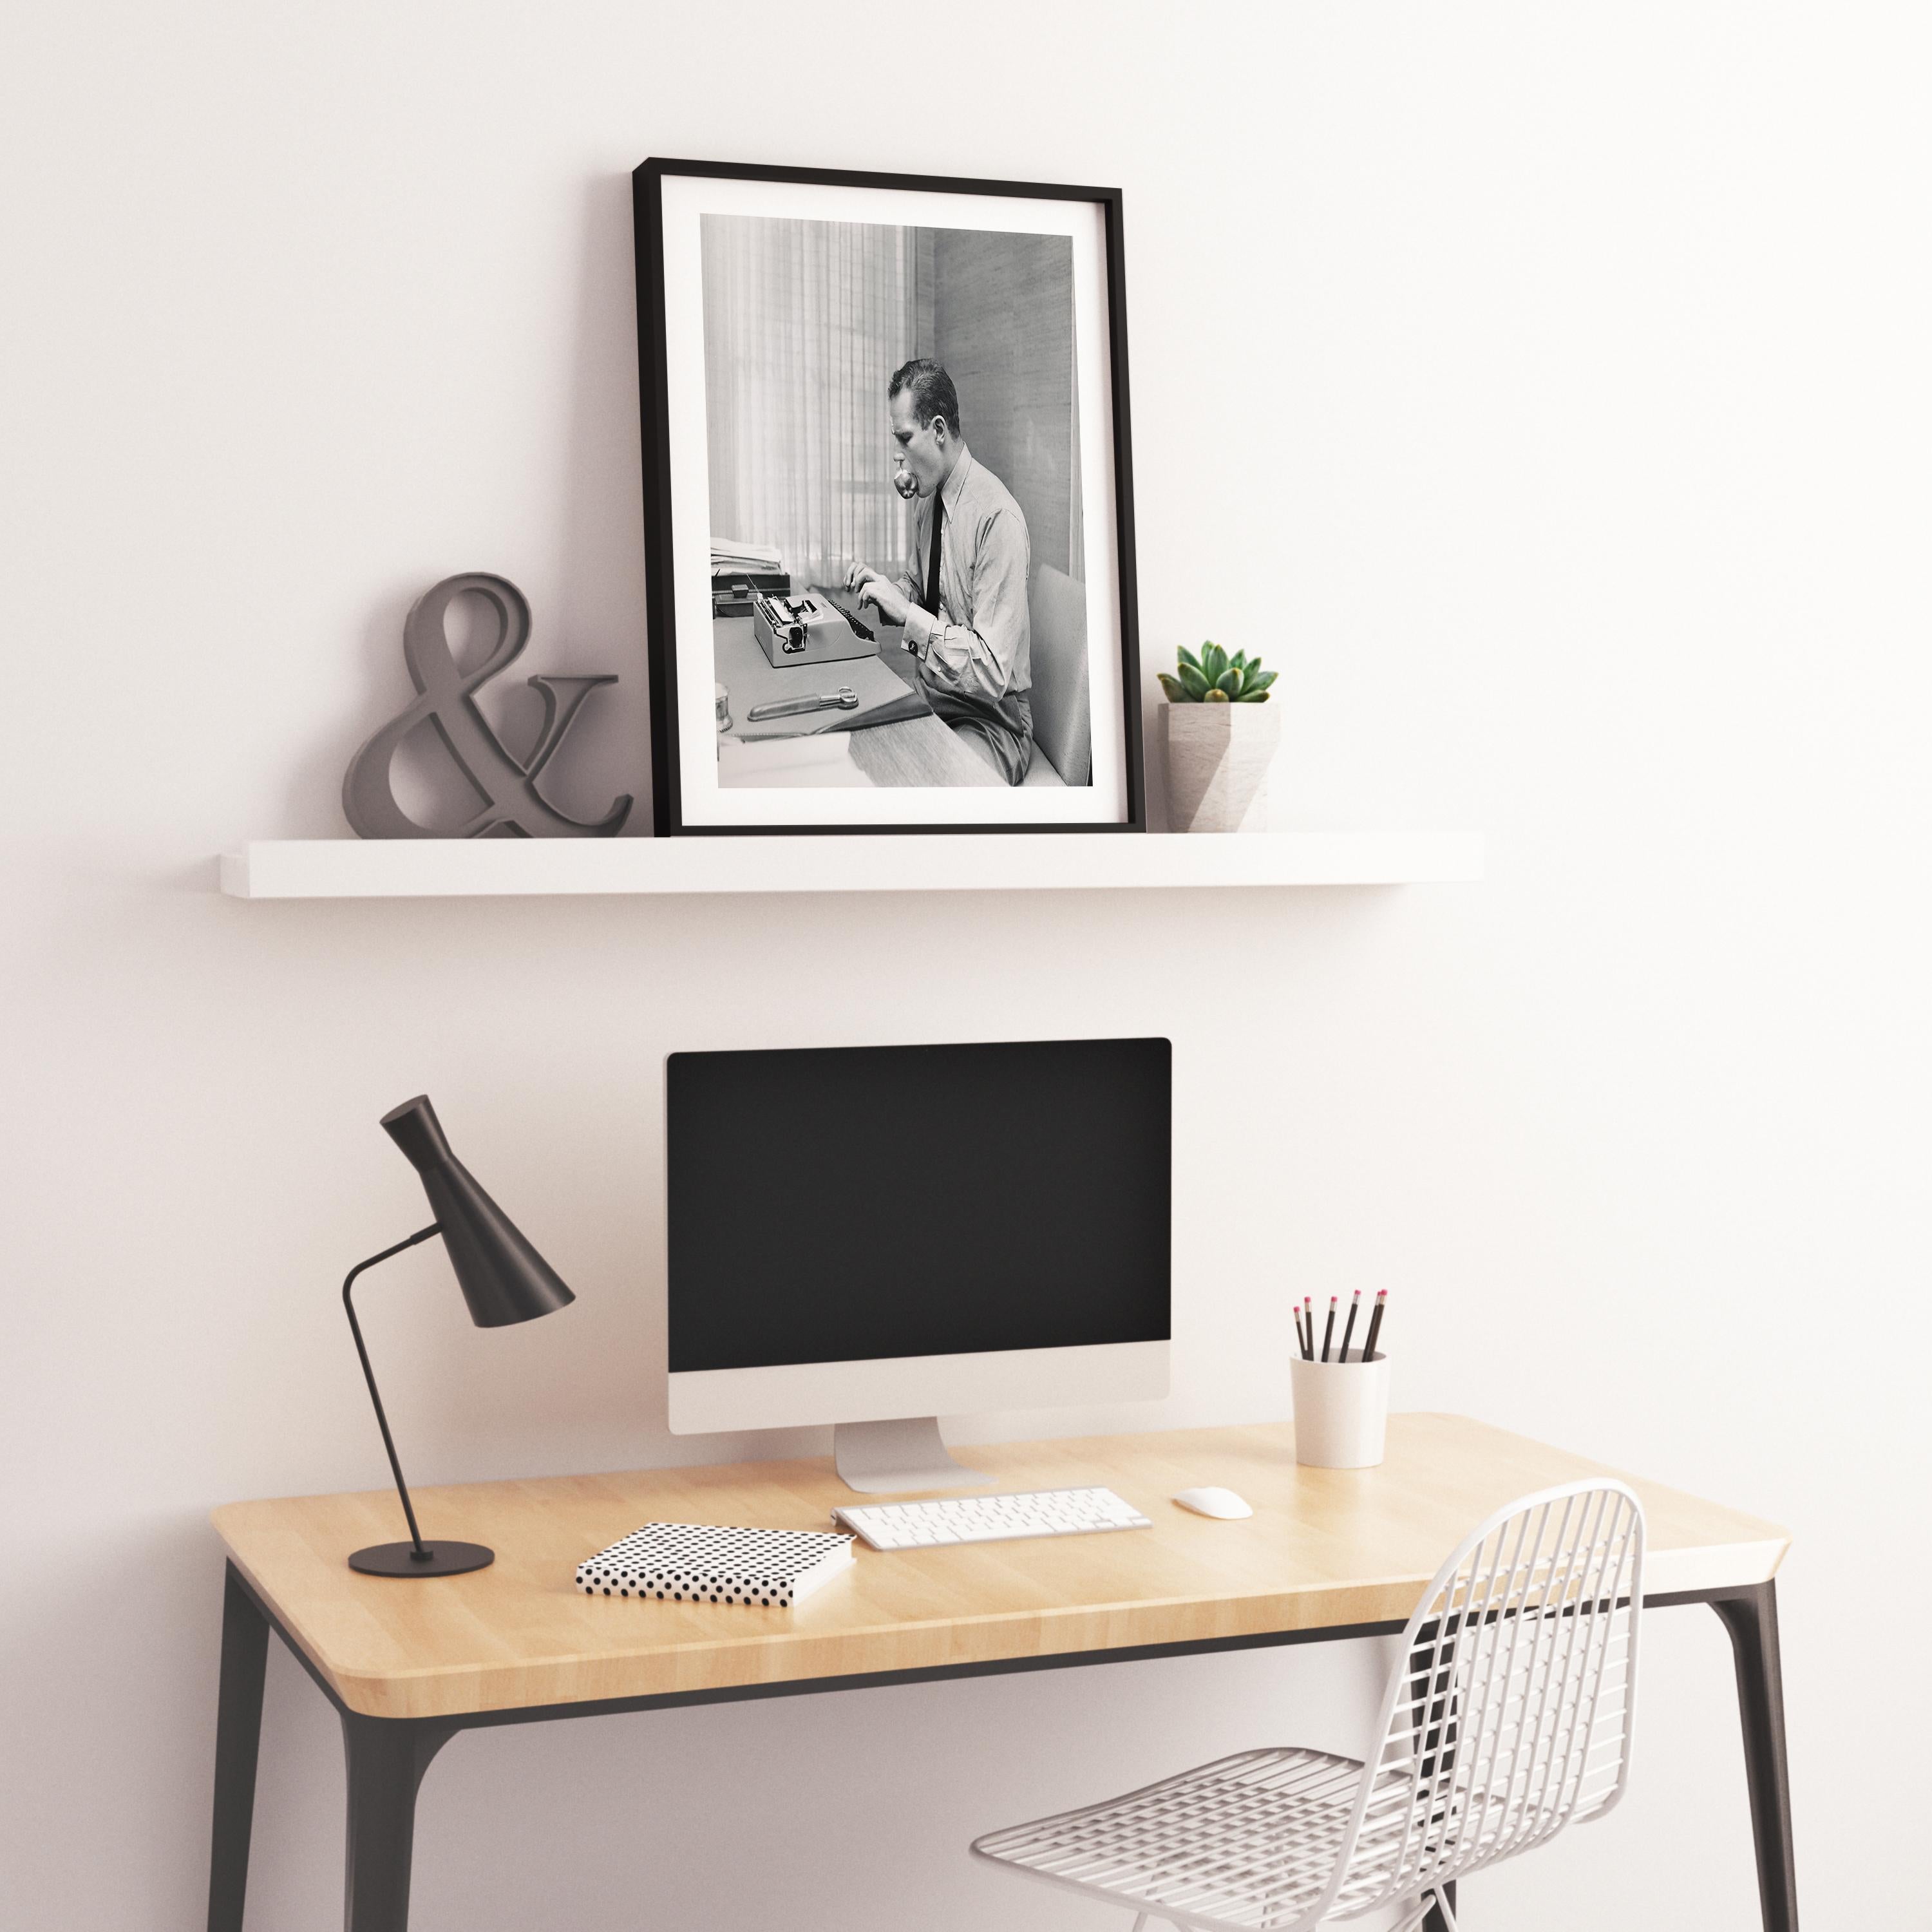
[369,1376]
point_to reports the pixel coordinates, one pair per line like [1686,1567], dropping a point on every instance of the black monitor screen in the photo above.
[856,1203]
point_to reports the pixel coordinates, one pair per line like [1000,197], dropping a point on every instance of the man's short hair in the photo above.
[931,391]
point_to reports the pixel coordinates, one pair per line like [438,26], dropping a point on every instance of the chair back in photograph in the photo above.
[1056,609]
[1509,1716]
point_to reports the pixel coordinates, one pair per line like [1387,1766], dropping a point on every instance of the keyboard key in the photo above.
[989,1518]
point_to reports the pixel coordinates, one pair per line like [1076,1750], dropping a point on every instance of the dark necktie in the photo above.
[932,562]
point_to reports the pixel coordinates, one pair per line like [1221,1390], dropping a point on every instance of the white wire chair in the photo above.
[1508,1716]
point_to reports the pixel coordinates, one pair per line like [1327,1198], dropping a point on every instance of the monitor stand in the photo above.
[880,1458]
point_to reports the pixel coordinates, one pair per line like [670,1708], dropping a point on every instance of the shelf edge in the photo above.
[351,869]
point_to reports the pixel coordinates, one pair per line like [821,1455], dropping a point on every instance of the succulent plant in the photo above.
[1215,678]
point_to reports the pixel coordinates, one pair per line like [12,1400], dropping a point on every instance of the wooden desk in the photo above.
[1327,1554]
[914,751]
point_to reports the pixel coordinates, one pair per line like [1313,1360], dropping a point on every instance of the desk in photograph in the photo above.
[912,752]
[1328,1554]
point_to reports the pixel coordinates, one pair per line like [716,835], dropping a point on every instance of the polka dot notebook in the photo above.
[706,1563]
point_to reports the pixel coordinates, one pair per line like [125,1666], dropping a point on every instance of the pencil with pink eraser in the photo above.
[1328,1333]
[1375,1326]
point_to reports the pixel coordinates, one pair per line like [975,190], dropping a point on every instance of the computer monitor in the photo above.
[875,1237]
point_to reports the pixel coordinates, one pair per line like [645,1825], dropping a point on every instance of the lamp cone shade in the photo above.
[503,1279]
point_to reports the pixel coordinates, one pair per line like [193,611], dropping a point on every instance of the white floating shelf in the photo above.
[340,868]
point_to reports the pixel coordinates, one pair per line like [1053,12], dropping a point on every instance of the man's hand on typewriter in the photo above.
[880,592]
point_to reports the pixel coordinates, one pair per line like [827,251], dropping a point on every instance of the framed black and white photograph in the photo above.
[888,503]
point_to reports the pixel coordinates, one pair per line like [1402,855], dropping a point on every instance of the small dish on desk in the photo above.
[1223,1504]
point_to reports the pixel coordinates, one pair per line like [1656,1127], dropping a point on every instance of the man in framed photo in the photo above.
[962,594]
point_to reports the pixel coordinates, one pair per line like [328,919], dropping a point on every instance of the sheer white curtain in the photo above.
[804,323]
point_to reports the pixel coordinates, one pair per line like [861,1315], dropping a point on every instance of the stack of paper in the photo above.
[728,554]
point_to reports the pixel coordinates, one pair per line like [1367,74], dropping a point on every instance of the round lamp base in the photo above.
[399,1559]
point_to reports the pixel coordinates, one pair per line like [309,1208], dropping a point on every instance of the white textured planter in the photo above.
[1217,765]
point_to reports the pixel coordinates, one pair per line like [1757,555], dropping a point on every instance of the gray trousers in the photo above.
[1005,729]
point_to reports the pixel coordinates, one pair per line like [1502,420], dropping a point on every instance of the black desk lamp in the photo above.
[503,1279]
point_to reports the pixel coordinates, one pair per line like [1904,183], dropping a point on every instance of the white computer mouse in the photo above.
[1223,1503]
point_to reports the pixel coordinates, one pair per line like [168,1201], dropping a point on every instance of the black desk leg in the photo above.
[1751,1618]
[238,1742]
[387,1759]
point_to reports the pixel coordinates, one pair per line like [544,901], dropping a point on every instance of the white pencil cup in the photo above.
[1341,1410]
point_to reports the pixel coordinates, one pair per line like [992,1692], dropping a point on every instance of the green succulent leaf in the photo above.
[1214,677]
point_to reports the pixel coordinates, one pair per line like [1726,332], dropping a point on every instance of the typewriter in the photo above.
[805,630]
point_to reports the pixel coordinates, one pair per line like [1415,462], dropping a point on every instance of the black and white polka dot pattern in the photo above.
[708,1563]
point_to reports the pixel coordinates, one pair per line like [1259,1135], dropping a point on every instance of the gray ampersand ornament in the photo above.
[446,699]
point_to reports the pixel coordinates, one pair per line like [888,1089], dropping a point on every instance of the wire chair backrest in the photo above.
[1510,1713]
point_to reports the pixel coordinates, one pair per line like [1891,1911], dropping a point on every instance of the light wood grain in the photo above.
[1324,1548]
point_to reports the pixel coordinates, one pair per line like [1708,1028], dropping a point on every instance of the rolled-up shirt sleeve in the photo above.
[977,659]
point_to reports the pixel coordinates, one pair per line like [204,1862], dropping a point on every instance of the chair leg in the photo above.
[1442,1912]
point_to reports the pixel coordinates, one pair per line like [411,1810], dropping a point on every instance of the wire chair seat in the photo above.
[1248,1843]
[1507,1716]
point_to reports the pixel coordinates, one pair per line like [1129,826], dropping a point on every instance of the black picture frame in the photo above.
[660,511]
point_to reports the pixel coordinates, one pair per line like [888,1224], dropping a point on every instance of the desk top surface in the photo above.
[1325,1549]
[912,752]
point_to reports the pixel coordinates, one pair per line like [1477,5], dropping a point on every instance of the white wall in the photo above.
[1544,389]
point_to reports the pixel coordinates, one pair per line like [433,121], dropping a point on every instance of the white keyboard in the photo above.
[989,1518]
